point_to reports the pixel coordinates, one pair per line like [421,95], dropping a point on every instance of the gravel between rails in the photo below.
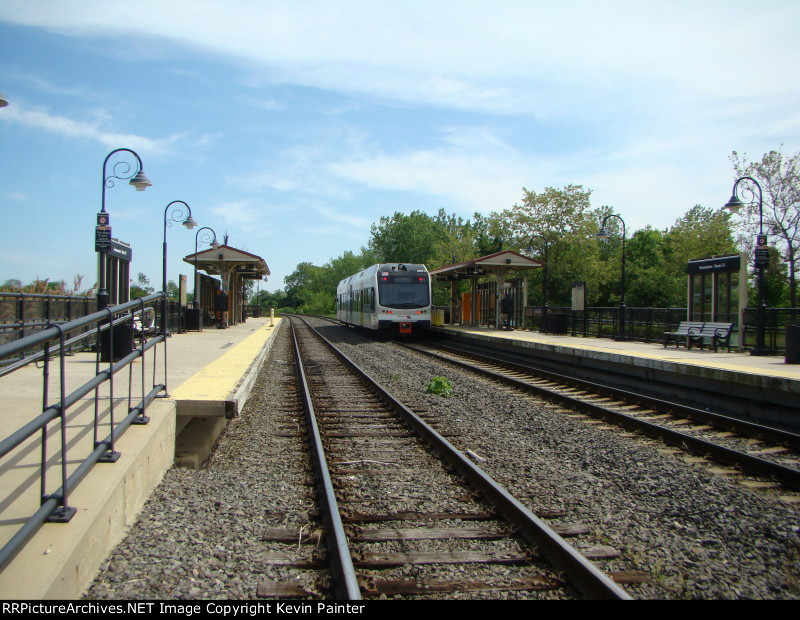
[698,535]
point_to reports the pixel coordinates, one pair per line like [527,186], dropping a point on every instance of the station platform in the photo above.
[209,375]
[735,375]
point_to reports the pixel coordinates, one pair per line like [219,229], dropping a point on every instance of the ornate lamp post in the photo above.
[761,257]
[178,214]
[603,235]
[206,238]
[529,252]
[122,170]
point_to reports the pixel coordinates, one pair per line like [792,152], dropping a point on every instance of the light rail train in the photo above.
[392,297]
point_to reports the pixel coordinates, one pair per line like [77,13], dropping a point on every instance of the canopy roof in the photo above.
[224,259]
[492,264]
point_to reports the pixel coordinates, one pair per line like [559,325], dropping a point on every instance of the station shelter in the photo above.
[717,290]
[481,304]
[223,300]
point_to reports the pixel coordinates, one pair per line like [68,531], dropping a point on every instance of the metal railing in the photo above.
[776,320]
[71,459]
[23,314]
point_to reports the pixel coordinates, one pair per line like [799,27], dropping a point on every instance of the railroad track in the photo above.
[405,513]
[755,449]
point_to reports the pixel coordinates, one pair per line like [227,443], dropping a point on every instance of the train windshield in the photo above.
[407,291]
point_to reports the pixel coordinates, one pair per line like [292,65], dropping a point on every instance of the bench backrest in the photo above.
[716,329]
[689,327]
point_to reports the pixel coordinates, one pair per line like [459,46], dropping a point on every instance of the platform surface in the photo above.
[213,367]
[643,352]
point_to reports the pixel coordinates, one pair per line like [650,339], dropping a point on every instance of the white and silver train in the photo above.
[386,297]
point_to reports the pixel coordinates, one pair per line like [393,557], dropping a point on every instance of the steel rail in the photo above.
[582,573]
[753,464]
[345,580]
[760,431]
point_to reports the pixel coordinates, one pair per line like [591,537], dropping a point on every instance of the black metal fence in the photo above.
[776,320]
[23,314]
[641,324]
[67,452]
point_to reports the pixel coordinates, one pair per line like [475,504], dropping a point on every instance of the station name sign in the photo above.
[120,250]
[720,264]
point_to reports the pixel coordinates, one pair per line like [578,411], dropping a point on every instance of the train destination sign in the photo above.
[719,264]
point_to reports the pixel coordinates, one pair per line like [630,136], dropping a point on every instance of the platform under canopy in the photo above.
[233,266]
[499,265]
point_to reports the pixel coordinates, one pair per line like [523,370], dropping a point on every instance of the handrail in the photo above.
[54,506]
[69,342]
[12,348]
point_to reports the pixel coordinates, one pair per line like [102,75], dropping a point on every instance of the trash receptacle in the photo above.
[122,342]
[792,343]
[557,323]
[194,320]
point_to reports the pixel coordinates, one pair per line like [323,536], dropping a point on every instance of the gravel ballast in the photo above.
[696,534]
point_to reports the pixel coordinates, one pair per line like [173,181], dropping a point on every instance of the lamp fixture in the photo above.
[734,205]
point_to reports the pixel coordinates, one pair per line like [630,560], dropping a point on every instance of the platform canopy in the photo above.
[233,266]
[498,264]
[225,260]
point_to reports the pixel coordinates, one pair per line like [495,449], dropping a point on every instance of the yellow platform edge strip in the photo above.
[219,379]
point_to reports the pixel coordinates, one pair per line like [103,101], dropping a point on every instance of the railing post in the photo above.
[110,455]
[63,513]
[142,418]
[21,314]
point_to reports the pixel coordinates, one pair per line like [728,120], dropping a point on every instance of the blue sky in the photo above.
[294,126]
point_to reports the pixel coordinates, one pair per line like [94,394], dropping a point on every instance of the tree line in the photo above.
[561,223]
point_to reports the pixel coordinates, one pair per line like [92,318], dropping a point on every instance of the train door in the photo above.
[350,302]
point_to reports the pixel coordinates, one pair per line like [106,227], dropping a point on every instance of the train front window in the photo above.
[403,291]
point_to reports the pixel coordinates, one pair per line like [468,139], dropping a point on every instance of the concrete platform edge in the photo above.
[678,367]
[246,386]
[209,419]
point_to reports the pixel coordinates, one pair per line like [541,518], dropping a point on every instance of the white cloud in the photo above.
[70,128]
[337,215]
[464,177]
[515,56]
[240,214]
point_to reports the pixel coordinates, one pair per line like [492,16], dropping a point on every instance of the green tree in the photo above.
[648,282]
[275,299]
[779,178]
[12,285]
[312,289]
[563,220]
[142,287]
[300,284]
[408,238]
[459,239]
[173,291]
